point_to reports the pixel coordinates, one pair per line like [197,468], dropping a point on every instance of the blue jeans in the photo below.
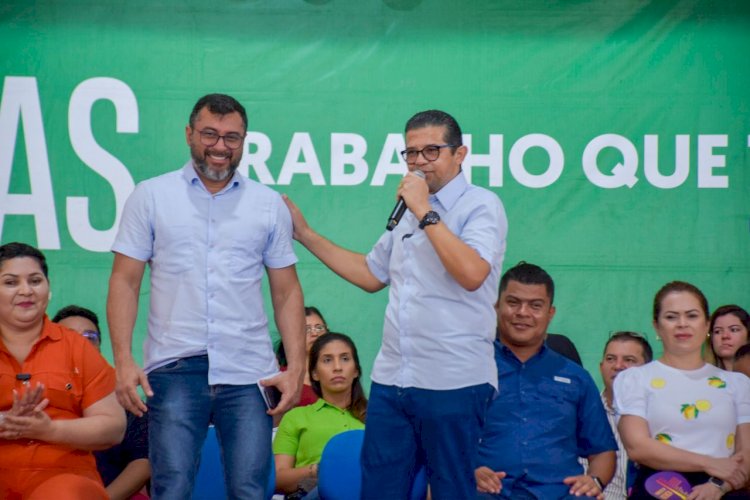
[409,427]
[180,411]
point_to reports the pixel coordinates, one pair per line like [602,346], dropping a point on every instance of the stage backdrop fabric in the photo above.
[615,132]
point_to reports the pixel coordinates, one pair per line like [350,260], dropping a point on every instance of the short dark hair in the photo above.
[528,274]
[358,406]
[743,351]
[677,287]
[218,104]
[625,336]
[437,118]
[73,310]
[16,250]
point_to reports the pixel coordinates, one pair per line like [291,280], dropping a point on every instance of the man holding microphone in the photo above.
[434,374]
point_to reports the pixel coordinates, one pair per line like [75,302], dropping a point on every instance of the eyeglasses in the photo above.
[431,152]
[316,328]
[231,140]
[93,336]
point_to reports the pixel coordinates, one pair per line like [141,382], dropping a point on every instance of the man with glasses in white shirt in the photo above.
[207,234]
[434,375]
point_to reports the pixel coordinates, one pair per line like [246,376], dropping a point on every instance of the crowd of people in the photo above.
[468,384]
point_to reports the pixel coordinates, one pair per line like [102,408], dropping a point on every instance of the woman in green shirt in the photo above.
[334,371]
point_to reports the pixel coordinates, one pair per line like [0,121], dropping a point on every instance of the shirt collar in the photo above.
[609,409]
[508,353]
[321,403]
[50,330]
[451,192]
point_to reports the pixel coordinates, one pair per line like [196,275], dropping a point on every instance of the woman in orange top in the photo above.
[57,400]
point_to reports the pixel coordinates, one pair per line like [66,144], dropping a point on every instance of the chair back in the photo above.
[340,469]
[209,481]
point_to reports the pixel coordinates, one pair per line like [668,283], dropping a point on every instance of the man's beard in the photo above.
[211,173]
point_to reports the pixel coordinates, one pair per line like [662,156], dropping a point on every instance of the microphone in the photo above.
[400,208]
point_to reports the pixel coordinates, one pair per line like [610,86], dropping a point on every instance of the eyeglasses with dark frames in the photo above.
[210,137]
[431,152]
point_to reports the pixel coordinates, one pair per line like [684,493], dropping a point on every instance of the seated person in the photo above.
[548,411]
[622,351]
[124,467]
[334,371]
[57,393]
[315,326]
[679,413]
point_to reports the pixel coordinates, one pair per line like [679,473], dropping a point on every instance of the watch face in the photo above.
[430,217]
[715,480]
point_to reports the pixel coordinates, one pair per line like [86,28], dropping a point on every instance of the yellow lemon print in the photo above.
[658,383]
[664,438]
[690,412]
[703,405]
[717,382]
[730,441]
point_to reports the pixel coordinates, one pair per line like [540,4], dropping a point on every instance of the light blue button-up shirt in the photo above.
[207,255]
[436,334]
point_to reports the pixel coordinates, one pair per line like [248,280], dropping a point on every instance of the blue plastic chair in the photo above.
[209,482]
[340,470]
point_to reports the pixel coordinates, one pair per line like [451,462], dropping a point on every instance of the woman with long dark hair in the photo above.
[335,372]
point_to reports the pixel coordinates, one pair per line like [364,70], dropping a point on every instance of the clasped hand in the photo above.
[26,419]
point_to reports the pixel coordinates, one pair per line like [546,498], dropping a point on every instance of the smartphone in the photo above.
[271,395]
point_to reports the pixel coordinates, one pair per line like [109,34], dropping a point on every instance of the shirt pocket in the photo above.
[173,248]
[246,254]
[558,401]
[64,390]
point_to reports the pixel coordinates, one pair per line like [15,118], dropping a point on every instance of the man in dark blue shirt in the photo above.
[548,412]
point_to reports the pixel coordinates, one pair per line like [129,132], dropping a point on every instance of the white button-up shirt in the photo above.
[207,254]
[436,334]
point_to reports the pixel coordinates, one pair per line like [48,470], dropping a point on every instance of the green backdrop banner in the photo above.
[616,133]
